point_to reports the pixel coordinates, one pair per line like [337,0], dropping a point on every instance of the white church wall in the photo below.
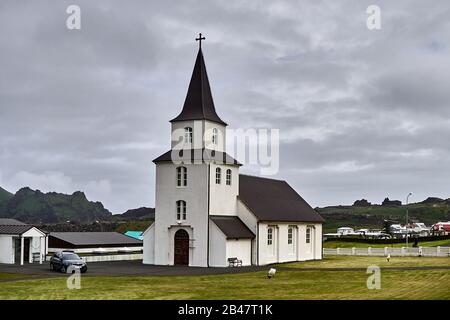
[241,249]
[149,245]
[223,196]
[195,195]
[217,246]
[281,251]
[249,219]
[6,249]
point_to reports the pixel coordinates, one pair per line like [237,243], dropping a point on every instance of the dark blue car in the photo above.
[67,261]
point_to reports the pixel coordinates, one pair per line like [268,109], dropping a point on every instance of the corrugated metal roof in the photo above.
[275,200]
[94,238]
[14,230]
[233,227]
[135,234]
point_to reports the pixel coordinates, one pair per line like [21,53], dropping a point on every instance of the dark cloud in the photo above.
[361,113]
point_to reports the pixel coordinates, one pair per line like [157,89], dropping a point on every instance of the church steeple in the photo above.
[199,104]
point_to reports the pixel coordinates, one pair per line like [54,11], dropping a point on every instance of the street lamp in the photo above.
[407,212]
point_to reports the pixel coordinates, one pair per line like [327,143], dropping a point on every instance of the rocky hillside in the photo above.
[33,206]
[363,214]
[5,195]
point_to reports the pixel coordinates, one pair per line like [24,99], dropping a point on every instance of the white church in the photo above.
[209,215]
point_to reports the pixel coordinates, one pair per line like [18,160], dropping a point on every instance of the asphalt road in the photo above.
[126,268]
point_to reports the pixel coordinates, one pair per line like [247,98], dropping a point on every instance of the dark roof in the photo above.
[233,227]
[11,222]
[14,229]
[197,155]
[199,104]
[275,200]
[94,238]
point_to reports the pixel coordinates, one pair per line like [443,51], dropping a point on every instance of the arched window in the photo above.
[181,176]
[188,135]
[181,210]
[218,175]
[214,136]
[228,177]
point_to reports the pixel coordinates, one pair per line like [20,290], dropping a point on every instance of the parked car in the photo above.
[65,260]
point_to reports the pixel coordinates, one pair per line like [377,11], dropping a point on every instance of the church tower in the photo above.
[195,180]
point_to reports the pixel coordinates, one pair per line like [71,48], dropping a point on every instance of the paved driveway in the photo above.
[126,268]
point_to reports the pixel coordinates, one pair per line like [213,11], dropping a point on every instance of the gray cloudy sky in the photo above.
[361,113]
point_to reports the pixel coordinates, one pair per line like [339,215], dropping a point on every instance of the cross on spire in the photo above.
[199,39]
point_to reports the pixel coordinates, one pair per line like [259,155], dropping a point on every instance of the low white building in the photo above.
[21,243]
[206,213]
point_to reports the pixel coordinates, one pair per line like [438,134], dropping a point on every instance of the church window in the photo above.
[290,235]
[308,235]
[228,177]
[269,236]
[214,136]
[181,210]
[181,177]
[218,175]
[188,135]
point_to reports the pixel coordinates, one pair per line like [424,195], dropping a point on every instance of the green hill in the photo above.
[372,216]
[5,195]
[36,207]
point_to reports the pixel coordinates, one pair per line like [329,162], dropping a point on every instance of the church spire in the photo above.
[199,104]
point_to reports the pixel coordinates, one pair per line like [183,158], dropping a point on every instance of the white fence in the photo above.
[400,252]
[113,257]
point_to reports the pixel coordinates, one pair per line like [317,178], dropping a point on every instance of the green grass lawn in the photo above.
[12,276]
[345,244]
[287,284]
[363,262]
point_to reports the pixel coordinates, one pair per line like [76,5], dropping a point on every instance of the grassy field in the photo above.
[364,262]
[12,276]
[288,284]
[345,244]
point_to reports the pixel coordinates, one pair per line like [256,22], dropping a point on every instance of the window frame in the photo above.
[181,214]
[290,236]
[181,176]
[270,236]
[308,235]
[215,136]
[188,135]
[228,175]
[218,175]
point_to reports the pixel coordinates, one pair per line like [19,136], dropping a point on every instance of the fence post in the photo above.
[369,251]
[353,251]
[420,252]
[338,251]
[403,251]
[438,251]
[385,251]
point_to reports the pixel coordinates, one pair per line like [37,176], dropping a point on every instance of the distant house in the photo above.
[135,234]
[441,228]
[21,243]
[344,231]
[93,242]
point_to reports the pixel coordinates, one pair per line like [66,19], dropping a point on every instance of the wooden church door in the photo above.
[181,250]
